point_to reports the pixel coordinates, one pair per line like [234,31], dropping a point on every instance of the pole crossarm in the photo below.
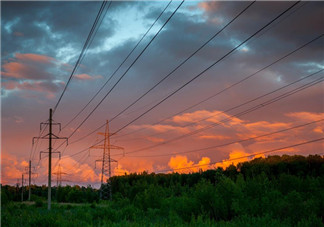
[105,134]
[116,147]
[27,168]
[97,147]
[101,146]
[32,173]
[47,137]
[58,173]
[46,123]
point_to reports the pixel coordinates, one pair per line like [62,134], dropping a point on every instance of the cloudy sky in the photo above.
[270,83]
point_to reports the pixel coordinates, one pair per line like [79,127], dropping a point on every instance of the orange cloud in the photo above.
[262,127]
[318,130]
[236,157]
[34,57]
[203,163]
[24,164]
[308,116]
[236,154]
[87,77]
[155,139]
[181,164]
[210,116]
[29,66]
[209,6]
[82,172]
[215,137]
[119,171]
[131,165]
[161,128]
[265,126]
[11,170]
[15,70]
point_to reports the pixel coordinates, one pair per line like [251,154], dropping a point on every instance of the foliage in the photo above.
[275,191]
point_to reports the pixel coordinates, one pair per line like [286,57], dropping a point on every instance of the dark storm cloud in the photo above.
[182,35]
[303,21]
[46,27]
[45,86]
[271,44]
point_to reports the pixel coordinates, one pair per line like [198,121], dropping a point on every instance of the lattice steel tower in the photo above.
[105,189]
[59,174]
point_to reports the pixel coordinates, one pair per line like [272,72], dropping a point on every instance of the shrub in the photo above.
[4,198]
[38,203]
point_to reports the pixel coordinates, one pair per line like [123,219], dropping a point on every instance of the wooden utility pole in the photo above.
[22,187]
[49,194]
[29,180]
[28,170]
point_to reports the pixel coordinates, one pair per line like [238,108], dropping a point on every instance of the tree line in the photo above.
[284,190]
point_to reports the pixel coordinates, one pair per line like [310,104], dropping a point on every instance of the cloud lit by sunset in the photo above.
[206,87]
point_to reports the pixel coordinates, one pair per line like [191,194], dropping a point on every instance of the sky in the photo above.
[270,83]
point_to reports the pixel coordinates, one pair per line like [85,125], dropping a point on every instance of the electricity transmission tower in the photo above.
[59,174]
[50,136]
[105,188]
[30,173]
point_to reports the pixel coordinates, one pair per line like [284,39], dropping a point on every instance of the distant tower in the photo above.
[105,188]
[59,174]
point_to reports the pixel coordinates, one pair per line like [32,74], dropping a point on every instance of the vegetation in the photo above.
[275,191]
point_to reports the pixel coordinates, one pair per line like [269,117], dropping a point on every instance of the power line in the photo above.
[232,85]
[236,115]
[96,30]
[205,70]
[247,102]
[81,138]
[169,74]
[91,40]
[126,70]
[233,142]
[34,147]
[82,51]
[181,87]
[183,62]
[287,94]
[246,156]
[113,74]
[41,131]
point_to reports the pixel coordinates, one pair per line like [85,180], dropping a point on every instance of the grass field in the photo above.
[25,214]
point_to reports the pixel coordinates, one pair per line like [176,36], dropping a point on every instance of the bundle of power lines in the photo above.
[257,34]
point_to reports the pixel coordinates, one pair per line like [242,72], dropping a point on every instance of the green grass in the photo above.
[174,211]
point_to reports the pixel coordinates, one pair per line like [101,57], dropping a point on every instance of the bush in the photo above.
[39,203]
[4,198]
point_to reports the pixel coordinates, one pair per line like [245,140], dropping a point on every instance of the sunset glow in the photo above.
[220,107]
